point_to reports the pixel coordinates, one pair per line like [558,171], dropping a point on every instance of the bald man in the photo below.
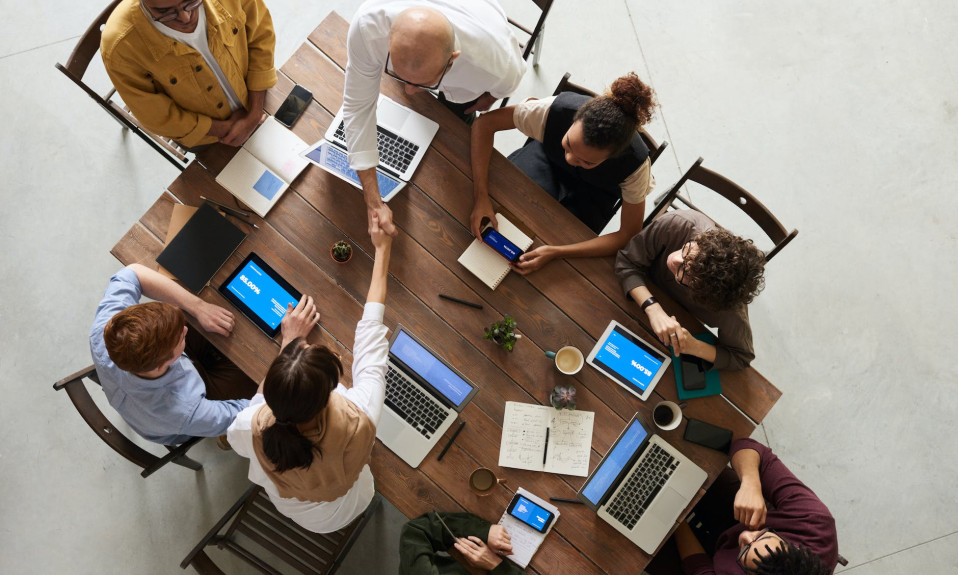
[465,50]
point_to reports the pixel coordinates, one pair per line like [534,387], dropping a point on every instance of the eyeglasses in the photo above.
[173,12]
[761,535]
[393,75]
[680,273]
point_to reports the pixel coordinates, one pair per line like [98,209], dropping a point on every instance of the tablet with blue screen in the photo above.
[260,293]
[629,360]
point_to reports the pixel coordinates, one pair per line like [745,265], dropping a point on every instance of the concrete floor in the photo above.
[802,103]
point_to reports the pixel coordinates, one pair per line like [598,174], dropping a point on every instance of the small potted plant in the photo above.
[563,397]
[503,333]
[341,252]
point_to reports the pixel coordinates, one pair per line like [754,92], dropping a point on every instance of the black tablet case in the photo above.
[203,245]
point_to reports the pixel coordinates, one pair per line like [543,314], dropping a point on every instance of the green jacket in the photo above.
[424,536]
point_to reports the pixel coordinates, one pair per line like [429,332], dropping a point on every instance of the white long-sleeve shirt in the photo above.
[370,354]
[490,61]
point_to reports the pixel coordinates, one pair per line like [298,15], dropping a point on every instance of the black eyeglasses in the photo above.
[680,273]
[393,75]
[761,534]
[187,7]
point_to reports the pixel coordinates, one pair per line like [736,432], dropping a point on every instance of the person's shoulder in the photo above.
[119,29]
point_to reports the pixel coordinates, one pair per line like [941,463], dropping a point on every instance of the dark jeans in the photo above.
[223,379]
[460,109]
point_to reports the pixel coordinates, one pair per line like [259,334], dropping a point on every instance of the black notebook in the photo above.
[202,246]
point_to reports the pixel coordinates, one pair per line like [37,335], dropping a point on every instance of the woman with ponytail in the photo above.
[307,436]
[585,152]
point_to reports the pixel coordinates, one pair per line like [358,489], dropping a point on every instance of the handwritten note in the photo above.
[524,439]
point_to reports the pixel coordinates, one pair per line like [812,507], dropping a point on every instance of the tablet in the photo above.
[628,360]
[260,293]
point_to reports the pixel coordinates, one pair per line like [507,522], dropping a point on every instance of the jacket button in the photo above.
[220,105]
[199,68]
[235,31]
[172,80]
[148,75]
[209,88]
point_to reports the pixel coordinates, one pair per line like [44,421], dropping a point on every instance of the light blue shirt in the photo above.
[169,409]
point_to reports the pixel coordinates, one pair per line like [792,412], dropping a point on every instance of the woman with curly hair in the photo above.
[711,272]
[585,152]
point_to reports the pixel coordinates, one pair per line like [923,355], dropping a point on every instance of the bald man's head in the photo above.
[421,44]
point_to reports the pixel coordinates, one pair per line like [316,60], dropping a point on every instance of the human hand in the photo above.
[663,324]
[376,233]
[482,209]
[477,553]
[385,218]
[483,103]
[749,506]
[242,129]
[299,321]
[499,540]
[533,260]
[214,319]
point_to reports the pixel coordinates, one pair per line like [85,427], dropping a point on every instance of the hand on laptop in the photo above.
[213,318]
[299,321]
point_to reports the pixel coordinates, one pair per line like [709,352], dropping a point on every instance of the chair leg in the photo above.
[177,454]
[537,47]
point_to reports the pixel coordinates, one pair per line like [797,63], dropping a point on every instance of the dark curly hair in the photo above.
[609,121]
[790,560]
[726,271]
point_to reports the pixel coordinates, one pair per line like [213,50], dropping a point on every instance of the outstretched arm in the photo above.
[749,506]
[156,286]
[481,140]
[383,244]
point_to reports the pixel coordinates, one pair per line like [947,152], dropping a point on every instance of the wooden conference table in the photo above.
[565,303]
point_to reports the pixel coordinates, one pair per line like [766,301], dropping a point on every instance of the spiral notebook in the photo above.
[485,263]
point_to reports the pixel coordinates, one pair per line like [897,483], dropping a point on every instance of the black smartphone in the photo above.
[498,242]
[693,373]
[709,435]
[530,513]
[293,106]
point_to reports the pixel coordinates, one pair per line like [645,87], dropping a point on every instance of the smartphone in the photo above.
[498,242]
[530,513]
[693,373]
[293,106]
[709,435]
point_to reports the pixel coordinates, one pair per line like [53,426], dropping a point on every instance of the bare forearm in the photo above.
[161,288]
[746,464]
[597,247]
[481,140]
[377,285]
[370,185]
[257,101]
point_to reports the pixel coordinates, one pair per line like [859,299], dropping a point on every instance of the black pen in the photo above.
[545,450]
[233,211]
[451,439]
[564,500]
[457,300]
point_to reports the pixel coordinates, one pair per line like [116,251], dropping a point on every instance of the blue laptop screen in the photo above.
[629,359]
[430,368]
[614,462]
[337,161]
[264,297]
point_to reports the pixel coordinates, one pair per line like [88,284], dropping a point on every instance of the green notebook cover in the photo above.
[712,384]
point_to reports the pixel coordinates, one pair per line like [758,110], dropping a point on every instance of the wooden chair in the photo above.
[76,68]
[533,45]
[105,430]
[263,537]
[732,192]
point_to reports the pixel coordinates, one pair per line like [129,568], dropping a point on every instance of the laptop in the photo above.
[403,138]
[641,486]
[424,395]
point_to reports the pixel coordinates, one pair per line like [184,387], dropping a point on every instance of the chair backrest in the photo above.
[110,435]
[732,192]
[528,46]
[264,538]
[75,69]
[565,85]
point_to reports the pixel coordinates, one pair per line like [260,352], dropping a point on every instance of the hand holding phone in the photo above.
[530,513]
[498,242]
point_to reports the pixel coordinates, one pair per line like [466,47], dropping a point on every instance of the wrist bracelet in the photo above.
[647,303]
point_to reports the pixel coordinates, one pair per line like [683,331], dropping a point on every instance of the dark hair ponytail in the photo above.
[609,121]
[296,388]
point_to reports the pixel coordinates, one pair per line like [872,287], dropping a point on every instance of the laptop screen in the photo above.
[430,368]
[611,466]
[629,359]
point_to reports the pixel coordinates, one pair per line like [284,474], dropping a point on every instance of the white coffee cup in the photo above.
[569,359]
[667,415]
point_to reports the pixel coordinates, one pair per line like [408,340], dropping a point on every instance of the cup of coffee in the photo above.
[483,480]
[667,415]
[568,359]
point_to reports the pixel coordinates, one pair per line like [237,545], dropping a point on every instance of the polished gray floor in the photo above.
[841,116]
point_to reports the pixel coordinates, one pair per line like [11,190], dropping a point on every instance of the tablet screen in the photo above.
[629,359]
[260,293]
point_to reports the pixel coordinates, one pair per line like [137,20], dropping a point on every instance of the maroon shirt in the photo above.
[794,512]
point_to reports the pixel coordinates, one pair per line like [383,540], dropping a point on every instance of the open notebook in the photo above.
[264,167]
[485,263]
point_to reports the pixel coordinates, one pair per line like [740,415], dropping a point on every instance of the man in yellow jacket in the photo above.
[196,71]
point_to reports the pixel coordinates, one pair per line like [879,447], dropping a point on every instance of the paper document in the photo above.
[526,540]
[523,444]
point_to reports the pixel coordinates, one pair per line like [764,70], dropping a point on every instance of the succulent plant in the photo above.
[341,251]
[563,397]
[503,333]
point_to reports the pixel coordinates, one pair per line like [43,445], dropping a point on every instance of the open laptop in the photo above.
[403,138]
[641,486]
[424,395]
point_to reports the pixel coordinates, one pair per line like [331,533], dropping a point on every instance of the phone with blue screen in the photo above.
[503,247]
[530,513]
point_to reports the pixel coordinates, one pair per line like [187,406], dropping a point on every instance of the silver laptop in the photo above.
[403,137]
[641,486]
[424,395]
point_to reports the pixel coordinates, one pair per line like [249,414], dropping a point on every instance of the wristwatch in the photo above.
[647,303]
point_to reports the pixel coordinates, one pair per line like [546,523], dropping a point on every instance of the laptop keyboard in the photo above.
[412,404]
[394,151]
[642,486]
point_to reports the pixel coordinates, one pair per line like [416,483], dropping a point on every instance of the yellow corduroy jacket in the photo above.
[168,86]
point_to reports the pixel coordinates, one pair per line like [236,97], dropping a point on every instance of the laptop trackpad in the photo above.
[391,115]
[668,505]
